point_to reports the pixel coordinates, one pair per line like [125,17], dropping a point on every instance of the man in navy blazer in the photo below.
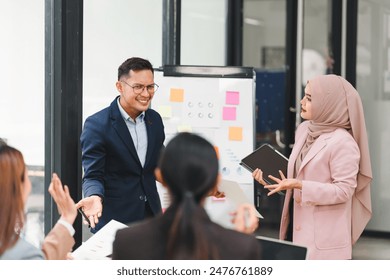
[120,148]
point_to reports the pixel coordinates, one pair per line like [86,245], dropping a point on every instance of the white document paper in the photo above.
[234,192]
[99,246]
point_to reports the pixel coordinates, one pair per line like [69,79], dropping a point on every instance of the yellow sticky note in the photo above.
[235,133]
[184,128]
[165,111]
[176,95]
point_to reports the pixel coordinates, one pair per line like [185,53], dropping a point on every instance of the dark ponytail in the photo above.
[189,167]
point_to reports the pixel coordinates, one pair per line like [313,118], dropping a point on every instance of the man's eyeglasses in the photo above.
[138,89]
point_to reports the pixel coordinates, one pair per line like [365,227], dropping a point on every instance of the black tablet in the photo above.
[268,159]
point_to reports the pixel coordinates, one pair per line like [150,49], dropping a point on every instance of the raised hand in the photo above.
[65,204]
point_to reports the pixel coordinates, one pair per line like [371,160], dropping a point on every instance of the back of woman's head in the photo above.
[12,175]
[189,168]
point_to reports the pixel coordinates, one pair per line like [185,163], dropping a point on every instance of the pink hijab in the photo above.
[337,104]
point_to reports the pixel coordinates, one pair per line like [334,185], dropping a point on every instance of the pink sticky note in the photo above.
[229,113]
[232,97]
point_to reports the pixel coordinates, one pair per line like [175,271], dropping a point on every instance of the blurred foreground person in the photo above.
[15,187]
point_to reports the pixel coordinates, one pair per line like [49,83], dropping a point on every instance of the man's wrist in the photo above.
[98,195]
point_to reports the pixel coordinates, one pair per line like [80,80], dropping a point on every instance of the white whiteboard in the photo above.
[219,109]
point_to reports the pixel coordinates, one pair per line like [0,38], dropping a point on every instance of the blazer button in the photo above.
[141,197]
[298,228]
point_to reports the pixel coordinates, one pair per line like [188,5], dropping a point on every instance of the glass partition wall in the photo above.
[373,85]
[22,98]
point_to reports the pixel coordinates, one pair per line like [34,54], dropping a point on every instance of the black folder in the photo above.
[268,159]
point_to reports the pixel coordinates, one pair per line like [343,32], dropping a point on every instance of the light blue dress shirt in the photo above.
[137,129]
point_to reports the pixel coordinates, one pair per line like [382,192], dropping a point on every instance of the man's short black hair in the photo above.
[135,64]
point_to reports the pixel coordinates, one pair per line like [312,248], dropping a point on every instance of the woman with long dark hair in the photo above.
[189,168]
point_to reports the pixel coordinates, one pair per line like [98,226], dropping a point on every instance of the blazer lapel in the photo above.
[317,146]
[151,136]
[299,141]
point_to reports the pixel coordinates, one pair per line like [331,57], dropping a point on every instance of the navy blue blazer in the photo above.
[112,168]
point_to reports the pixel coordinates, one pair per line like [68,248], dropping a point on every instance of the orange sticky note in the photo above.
[216,151]
[176,95]
[235,133]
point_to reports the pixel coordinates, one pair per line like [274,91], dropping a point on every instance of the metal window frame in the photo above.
[171,32]
[234,32]
[63,102]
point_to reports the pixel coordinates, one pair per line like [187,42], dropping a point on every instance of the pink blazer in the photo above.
[322,209]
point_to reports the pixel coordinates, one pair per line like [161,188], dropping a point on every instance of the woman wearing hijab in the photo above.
[15,187]
[327,203]
[189,168]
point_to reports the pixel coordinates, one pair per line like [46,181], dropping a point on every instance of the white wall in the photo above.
[114,31]
[22,77]
[203,32]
